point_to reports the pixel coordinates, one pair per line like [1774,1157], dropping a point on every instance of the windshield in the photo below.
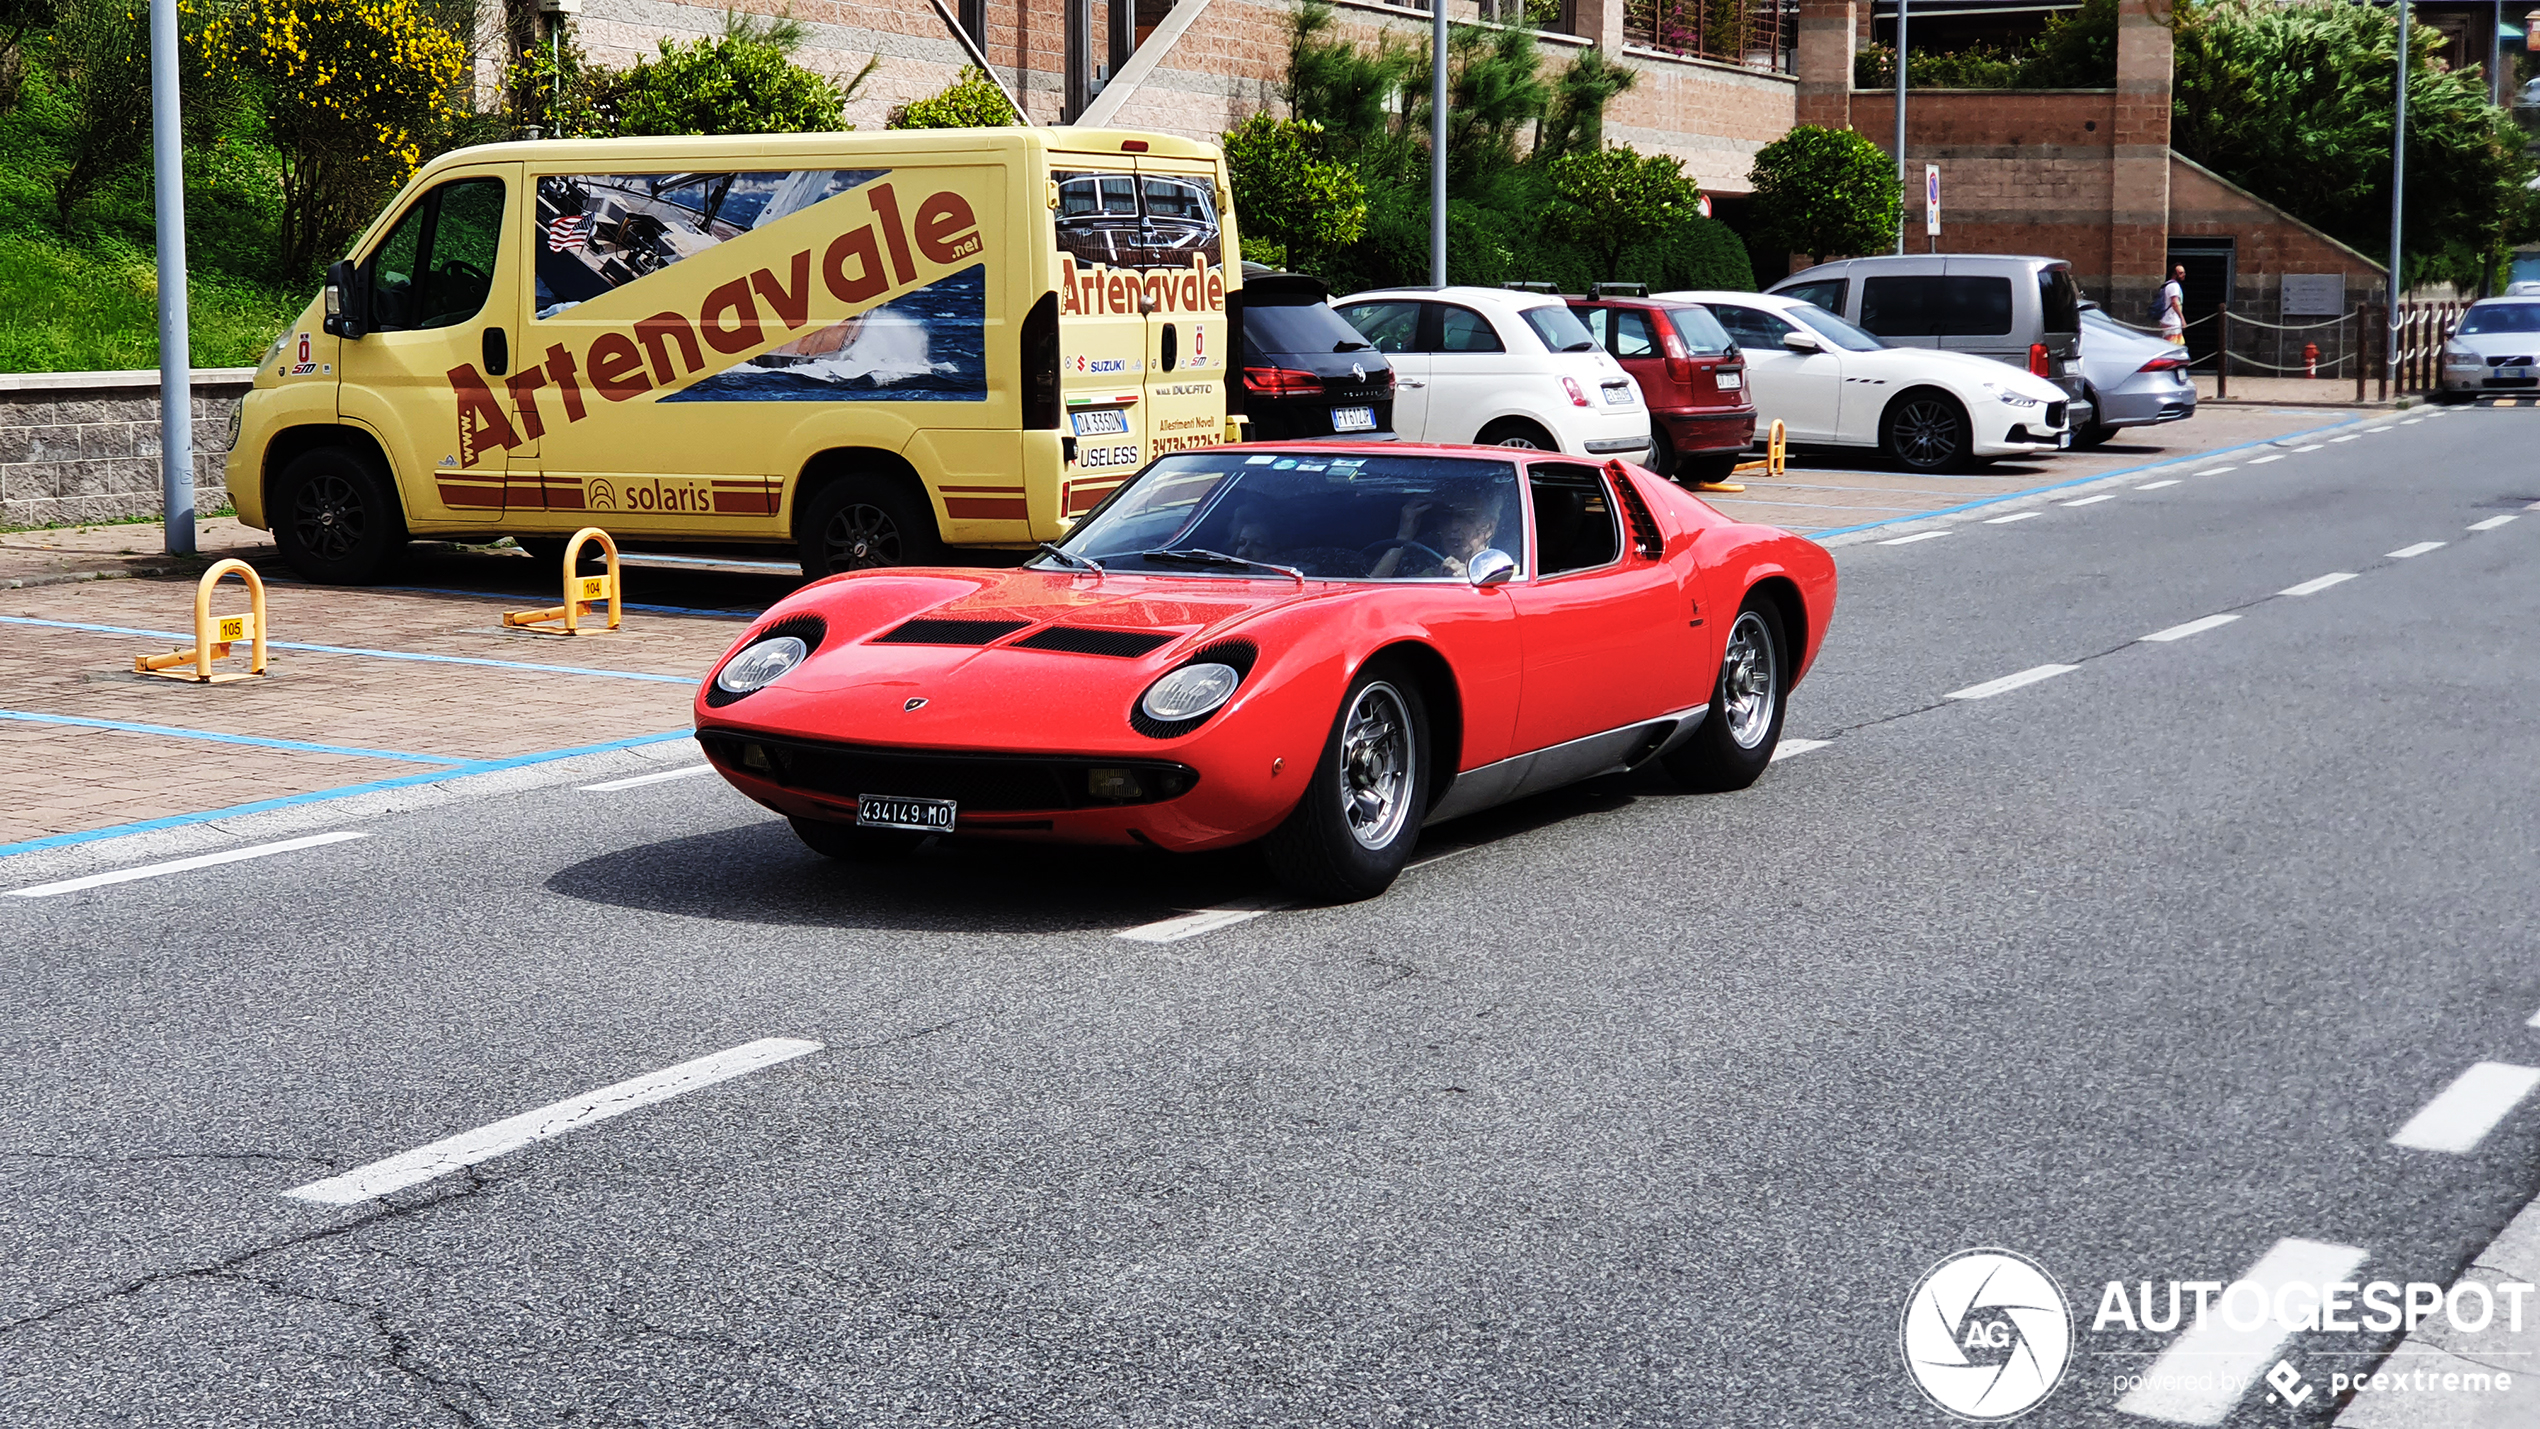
[1327,517]
[1560,329]
[2501,317]
[1834,329]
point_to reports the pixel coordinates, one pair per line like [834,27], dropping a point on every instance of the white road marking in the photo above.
[2193,627]
[2014,516]
[2419,549]
[182,865]
[2410,421]
[2315,446]
[1198,921]
[648,779]
[2201,1377]
[2350,436]
[2535,1020]
[2382,428]
[2008,683]
[1789,747]
[512,1133]
[2490,524]
[2216,470]
[2263,460]
[2093,500]
[2316,584]
[1435,858]
[2461,1115]
[1917,536]
[2534,506]
[2157,485]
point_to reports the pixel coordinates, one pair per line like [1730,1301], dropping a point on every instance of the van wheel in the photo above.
[860,522]
[1927,431]
[336,518]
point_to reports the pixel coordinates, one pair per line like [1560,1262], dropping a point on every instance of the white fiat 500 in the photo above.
[1502,368]
[1832,384]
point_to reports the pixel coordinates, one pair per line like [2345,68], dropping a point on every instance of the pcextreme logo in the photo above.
[1987,1335]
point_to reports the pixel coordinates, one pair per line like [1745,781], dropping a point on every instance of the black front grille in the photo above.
[979,783]
[1086,640]
[2523,361]
[2055,413]
[949,632]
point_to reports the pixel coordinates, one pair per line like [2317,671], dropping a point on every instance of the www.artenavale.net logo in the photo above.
[1987,1334]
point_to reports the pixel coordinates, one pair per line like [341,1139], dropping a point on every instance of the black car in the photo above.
[1306,372]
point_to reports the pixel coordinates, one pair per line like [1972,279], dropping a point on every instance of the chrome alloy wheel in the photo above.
[1749,681]
[1376,765]
[1926,433]
[861,537]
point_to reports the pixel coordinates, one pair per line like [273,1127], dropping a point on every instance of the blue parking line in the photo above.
[414,655]
[640,607]
[403,781]
[174,732]
[2085,480]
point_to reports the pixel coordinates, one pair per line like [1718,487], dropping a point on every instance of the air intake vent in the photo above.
[1085,640]
[1646,537]
[949,632]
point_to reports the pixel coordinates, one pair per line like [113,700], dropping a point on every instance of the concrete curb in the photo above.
[2436,1349]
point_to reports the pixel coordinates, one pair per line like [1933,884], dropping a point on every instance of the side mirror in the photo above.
[347,305]
[1491,567]
[1801,342]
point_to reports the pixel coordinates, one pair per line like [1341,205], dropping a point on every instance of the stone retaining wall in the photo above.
[84,446]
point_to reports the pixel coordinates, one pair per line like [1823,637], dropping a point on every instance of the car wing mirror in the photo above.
[1801,342]
[1491,567]
[347,308]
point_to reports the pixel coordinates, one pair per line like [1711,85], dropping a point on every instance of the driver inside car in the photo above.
[1461,530]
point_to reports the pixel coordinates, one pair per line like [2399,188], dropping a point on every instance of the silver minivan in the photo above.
[2019,310]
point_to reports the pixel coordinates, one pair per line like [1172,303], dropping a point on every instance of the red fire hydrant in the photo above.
[2311,359]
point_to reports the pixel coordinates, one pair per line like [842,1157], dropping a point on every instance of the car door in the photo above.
[1392,325]
[1977,314]
[1803,390]
[1586,621]
[1468,366]
[426,377]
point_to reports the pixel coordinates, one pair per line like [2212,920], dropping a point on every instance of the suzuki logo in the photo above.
[915,704]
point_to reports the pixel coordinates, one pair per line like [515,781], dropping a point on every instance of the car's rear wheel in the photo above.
[336,518]
[1516,432]
[1359,818]
[2092,436]
[861,522]
[1707,470]
[850,844]
[1927,430]
[1662,451]
[1737,738]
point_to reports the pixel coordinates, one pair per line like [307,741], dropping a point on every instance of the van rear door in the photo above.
[1189,350]
[1102,325]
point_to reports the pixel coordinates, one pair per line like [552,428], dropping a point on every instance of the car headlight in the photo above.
[2010,398]
[2455,357]
[755,667]
[1189,692]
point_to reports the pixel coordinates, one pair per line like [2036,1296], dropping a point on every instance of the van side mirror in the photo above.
[347,300]
[1801,342]
[1491,567]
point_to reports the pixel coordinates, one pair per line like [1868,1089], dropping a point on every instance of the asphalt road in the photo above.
[1635,1108]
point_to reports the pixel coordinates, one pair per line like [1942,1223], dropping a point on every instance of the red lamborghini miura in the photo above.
[1317,647]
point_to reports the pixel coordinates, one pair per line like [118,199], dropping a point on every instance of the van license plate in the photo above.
[1353,419]
[1109,421]
[934,816]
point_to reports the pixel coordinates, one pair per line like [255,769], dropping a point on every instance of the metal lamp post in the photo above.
[2398,196]
[176,384]
[1900,125]
[1437,142]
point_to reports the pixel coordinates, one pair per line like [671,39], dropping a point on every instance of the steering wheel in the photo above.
[468,270]
[1377,548]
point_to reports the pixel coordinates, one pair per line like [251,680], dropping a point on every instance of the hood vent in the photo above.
[949,632]
[1086,640]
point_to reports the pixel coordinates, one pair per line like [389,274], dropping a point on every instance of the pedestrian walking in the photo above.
[2174,306]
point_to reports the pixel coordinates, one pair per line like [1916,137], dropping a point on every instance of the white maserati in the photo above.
[1832,384]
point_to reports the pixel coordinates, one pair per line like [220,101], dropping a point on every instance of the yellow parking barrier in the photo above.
[1776,453]
[579,590]
[213,635]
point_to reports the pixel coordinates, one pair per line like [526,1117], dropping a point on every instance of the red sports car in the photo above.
[1317,647]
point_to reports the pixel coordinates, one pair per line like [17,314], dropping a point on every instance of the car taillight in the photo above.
[1578,396]
[1680,371]
[2037,366]
[2166,362]
[1281,382]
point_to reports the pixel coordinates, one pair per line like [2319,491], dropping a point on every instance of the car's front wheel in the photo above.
[1927,430]
[1359,818]
[1737,738]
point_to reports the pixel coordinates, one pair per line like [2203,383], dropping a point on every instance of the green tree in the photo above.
[1826,193]
[2078,50]
[742,81]
[1614,200]
[1348,90]
[17,17]
[1289,195]
[1576,121]
[972,101]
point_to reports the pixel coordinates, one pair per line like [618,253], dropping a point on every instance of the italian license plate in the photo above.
[1108,421]
[1353,419]
[2513,372]
[883,811]
[1618,394]
[2063,439]
[1730,381]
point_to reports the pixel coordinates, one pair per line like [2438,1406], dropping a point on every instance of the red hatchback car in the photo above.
[1701,415]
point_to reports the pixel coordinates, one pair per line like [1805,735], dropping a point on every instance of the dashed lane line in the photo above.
[642,779]
[1200,920]
[2419,549]
[1917,536]
[2263,460]
[2193,627]
[2216,470]
[2204,1373]
[2316,584]
[2157,485]
[2490,524]
[182,865]
[2350,436]
[2382,428]
[2461,1115]
[2007,683]
[2315,446]
[1789,748]
[457,1153]
[2093,500]
[2410,421]
[2014,516]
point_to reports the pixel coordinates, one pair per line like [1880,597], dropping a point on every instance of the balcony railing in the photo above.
[1759,34]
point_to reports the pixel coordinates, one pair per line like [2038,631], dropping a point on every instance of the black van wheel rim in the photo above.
[328,517]
[1926,433]
[862,536]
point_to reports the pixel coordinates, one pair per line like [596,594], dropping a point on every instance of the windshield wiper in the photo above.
[1087,562]
[1194,556]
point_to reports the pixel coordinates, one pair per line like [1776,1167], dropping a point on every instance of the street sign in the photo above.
[1931,200]
[2314,295]
[1706,205]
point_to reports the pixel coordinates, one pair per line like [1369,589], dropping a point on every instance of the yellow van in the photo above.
[862,347]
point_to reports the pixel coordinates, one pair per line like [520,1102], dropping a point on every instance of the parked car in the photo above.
[2134,379]
[1831,384]
[1318,647]
[1701,416]
[2496,348]
[2023,311]
[1306,373]
[1501,368]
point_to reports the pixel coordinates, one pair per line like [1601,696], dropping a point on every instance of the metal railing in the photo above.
[1758,34]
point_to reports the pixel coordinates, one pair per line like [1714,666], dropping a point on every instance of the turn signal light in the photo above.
[1114,784]
[1578,398]
[2037,366]
[1281,382]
